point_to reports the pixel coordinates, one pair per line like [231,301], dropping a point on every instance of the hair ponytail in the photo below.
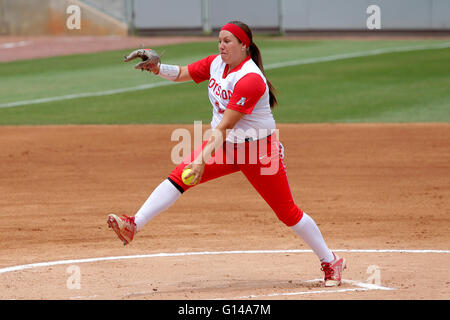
[255,54]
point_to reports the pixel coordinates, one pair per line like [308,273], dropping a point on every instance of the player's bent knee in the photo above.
[290,217]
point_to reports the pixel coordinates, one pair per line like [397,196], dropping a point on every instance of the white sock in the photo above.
[160,200]
[307,229]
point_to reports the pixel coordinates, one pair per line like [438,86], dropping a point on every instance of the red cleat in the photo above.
[124,227]
[333,271]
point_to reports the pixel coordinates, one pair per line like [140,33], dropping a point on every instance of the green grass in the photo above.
[396,87]
[393,87]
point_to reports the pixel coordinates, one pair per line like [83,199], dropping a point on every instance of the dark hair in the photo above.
[255,54]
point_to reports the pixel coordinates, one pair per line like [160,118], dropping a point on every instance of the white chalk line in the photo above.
[357,55]
[86,94]
[11,45]
[361,286]
[180,254]
[267,67]
[84,297]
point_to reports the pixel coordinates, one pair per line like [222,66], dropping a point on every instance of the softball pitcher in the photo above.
[243,139]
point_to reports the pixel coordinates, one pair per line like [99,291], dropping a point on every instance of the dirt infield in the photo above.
[368,186]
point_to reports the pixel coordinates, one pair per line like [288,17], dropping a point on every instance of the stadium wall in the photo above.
[48,17]
[148,17]
[290,15]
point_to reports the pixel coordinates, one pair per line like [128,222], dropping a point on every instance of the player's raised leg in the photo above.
[124,227]
[166,194]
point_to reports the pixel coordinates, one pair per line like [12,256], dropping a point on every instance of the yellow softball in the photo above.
[187,181]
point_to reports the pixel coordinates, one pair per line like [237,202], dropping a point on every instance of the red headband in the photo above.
[238,33]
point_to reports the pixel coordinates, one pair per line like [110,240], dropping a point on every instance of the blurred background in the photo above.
[61,61]
[195,17]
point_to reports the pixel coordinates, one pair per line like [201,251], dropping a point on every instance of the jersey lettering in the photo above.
[218,90]
[221,90]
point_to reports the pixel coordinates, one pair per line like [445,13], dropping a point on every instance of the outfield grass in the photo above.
[410,86]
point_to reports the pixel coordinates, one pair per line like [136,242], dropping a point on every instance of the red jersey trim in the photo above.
[200,70]
[237,68]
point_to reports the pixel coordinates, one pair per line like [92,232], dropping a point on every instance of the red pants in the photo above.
[262,164]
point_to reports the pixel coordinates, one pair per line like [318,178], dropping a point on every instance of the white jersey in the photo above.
[258,121]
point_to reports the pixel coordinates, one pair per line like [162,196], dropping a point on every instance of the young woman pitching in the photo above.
[243,139]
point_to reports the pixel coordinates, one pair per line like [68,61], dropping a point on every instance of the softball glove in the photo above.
[150,59]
